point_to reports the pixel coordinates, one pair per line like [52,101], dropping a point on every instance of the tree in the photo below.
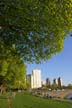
[54,86]
[12,68]
[69,86]
[37,28]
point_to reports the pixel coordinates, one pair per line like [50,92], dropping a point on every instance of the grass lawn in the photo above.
[24,100]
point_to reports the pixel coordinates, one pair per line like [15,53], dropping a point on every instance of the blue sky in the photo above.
[60,65]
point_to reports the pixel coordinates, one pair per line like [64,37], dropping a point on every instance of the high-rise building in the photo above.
[55,81]
[36,78]
[60,82]
[48,82]
[43,83]
[29,80]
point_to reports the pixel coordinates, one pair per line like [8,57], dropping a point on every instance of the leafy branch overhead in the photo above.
[37,28]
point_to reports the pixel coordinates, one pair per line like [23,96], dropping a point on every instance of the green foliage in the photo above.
[54,86]
[12,68]
[37,28]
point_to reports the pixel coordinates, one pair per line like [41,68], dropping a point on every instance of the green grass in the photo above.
[28,101]
[4,100]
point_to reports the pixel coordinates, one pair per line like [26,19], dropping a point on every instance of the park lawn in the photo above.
[4,100]
[3,103]
[24,100]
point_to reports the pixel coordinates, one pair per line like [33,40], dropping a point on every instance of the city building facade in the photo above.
[55,81]
[34,80]
[48,83]
[60,82]
[29,80]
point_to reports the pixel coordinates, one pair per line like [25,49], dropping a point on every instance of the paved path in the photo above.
[64,100]
[58,94]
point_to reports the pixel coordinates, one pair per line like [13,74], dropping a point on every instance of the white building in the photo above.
[43,83]
[36,78]
[56,81]
[62,82]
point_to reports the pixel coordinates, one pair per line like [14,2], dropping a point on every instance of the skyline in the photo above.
[60,65]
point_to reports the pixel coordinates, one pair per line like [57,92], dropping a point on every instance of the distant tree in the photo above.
[69,86]
[37,28]
[54,86]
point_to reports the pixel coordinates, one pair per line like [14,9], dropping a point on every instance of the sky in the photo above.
[60,65]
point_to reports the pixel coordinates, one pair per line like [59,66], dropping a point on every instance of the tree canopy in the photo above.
[37,28]
[12,68]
